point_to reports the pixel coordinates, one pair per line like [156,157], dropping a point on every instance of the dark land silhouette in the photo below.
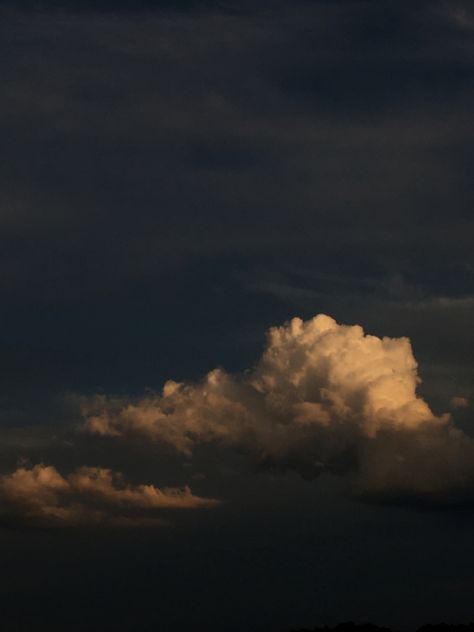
[349,626]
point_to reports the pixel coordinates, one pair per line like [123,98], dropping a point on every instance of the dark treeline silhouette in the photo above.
[447,627]
[369,627]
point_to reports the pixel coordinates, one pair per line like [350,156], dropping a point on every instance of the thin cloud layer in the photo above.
[88,496]
[323,397]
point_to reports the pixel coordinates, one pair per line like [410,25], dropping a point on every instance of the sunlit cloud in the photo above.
[323,397]
[459,402]
[40,495]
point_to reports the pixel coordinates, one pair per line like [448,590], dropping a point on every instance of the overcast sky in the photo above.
[179,177]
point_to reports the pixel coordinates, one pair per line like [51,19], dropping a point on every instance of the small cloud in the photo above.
[460,16]
[459,402]
[89,496]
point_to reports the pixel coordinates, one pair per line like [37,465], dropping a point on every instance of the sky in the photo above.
[237,295]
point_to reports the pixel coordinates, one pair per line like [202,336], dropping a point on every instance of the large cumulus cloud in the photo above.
[323,397]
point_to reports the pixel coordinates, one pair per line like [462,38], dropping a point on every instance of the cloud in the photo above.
[459,402]
[88,496]
[459,14]
[323,397]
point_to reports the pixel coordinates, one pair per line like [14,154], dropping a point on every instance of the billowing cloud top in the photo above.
[323,396]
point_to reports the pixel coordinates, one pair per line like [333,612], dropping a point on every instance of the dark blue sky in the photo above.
[176,178]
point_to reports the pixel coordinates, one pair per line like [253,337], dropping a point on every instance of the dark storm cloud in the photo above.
[112,6]
[135,145]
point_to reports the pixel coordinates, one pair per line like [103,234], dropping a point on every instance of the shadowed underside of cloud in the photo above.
[89,496]
[323,397]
